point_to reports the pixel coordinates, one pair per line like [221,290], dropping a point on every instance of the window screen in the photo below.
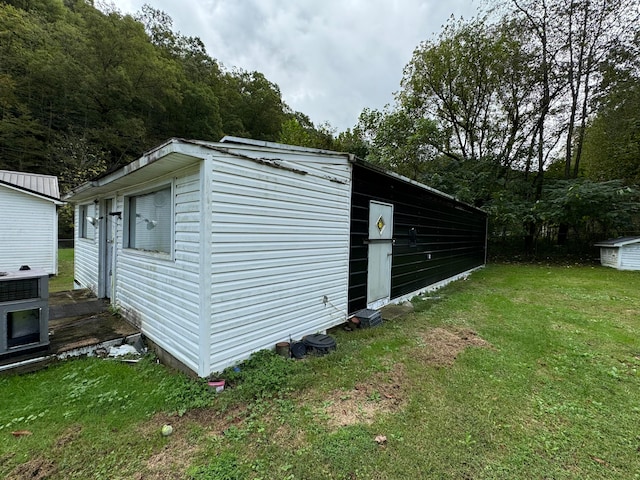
[150,221]
[87,221]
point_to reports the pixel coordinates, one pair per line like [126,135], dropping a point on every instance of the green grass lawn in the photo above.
[64,279]
[519,372]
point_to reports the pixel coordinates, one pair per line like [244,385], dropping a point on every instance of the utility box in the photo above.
[24,311]
[369,318]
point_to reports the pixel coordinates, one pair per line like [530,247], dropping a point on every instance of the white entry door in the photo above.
[380,254]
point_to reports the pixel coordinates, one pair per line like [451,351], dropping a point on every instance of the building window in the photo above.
[150,222]
[88,221]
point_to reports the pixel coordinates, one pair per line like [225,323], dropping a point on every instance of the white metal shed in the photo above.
[620,253]
[216,250]
[29,218]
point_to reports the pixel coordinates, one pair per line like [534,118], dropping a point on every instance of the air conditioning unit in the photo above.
[24,310]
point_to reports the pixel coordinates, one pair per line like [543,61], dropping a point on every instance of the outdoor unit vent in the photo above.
[24,310]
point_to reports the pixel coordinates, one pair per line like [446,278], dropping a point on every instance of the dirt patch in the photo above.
[177,453]
[40,467]
[383,393]
[172,461]
[68,437]
[37,468]
[442,346]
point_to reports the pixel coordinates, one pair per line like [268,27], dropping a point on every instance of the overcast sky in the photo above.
[330,58]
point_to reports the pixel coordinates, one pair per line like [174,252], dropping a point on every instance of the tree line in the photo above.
[528,110]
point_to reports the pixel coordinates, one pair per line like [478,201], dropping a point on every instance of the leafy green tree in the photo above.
[300,130]
[612,137]
[195,113]
[593,210]
[571,38]
[473,83]
[352,141]
[399,142]
[256,109]
[84,90]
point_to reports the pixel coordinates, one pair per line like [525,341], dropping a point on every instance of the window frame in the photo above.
[87,230]
[128,237]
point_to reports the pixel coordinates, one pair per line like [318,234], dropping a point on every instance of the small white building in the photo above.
[620,253]
[29,221]
[217,250]
[256,238]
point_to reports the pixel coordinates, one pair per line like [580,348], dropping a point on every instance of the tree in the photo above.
[473,83]
[612,136]
[572,38]
[593,210]
[300,130]
[399,142]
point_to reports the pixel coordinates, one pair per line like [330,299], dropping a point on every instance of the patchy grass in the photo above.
[518,372]
[64,279]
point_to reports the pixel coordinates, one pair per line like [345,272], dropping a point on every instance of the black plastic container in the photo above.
[319,344]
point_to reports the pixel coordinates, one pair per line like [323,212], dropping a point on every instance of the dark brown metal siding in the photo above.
[452,234]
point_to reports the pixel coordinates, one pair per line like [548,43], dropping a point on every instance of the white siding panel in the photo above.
[163,295]
[630,257]
[28,231]
[324,166]
[280,245]
[85,255]
[609,256]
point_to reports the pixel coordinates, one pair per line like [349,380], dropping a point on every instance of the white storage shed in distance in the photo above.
[620,253]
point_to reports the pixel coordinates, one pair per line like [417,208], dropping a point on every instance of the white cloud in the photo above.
[330,59]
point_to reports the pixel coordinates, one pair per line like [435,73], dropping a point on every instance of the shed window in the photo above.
[87,221]
[150,222]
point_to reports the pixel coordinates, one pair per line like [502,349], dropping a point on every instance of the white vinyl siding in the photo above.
[630,257]
[85,255]
[28,232]
[259,249]
[161,294]
[609,256]
[280,245]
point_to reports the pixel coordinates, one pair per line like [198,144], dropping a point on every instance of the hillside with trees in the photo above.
[83,92]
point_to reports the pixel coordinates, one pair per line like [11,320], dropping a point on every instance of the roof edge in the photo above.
[397,176]
[145,159]
[28,191]
[617,242]
[231,140]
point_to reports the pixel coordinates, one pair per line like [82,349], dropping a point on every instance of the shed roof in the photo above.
[42,185]
[618,242]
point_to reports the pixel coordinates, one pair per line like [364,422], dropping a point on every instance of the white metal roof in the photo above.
[46,185]
[175,153]
[618,242]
